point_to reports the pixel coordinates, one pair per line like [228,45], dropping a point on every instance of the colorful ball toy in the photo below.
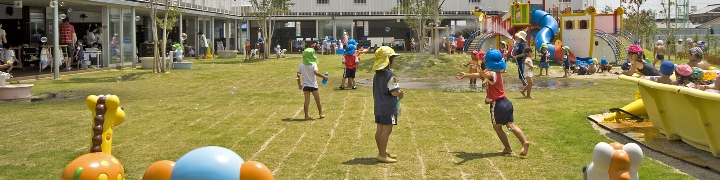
[160,170]
[255,170]
[210,162]
[100,166]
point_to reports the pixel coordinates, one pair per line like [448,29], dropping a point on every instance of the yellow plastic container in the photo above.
[681,113]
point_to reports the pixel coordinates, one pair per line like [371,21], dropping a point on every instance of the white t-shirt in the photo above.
[528,71]
[9,55]
[678,48]
[307,73]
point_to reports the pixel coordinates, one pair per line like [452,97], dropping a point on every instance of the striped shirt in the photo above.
[66,32]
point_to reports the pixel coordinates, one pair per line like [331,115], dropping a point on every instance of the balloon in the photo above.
[160,170]
[255,170]
[210,162]
[93,166]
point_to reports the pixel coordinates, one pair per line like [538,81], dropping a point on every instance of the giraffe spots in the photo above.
[115,160]
[107,137]
[104,163]
[103,177]
[120,177]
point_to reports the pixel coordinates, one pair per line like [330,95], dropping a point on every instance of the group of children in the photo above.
[691,74]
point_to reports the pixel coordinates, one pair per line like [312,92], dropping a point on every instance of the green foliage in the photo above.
[608,10]
[173,17]
[642,24]
[417,13]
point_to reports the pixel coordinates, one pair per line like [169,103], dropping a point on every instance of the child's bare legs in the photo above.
[316,95]
[567,73]
[528,87]
[519,134]
[342,85]
[382,136]
[307,103]
[503,138]
[352,80]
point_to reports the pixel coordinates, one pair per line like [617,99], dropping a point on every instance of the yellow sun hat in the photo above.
[382,57]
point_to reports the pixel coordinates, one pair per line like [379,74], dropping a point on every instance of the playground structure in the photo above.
[681,113]
[210,162]
[586,38]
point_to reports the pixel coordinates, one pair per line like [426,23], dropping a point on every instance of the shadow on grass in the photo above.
[126,77]
[296,120]
[473,156]
[361,161]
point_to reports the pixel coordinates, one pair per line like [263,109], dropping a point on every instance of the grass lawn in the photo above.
[441,134]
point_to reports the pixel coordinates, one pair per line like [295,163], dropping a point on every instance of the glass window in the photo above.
[564,0]
[323,1]
[360,1]
[583,24]
[474,1]
[325,28]
[115,36]
[128,30]
[569,24]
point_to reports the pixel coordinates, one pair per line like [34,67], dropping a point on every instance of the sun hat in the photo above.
[603,61]
[309,57]
[475,55]
[382,57]
[689,40]
[667,68]
[683,70]
[544,45]
[494,60]
[680,40]
[350,49]
[592,61]
[659,42]
[635,49]
[521,35]
[697,74]
[697,51]
[260,39]
[352,41]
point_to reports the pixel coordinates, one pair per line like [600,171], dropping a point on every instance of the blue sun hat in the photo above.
[494,60]
[603,61]
[352,41]
[247,39]
[592,61]
[667,68]
[697,74]
[260,39]
[350,49]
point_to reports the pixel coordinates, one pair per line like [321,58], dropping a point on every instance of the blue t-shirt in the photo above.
[384,83]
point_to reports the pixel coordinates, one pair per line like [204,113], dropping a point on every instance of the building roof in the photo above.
[661,25]
[713,8]
[709,23]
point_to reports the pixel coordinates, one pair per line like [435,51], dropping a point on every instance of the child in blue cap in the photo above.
[666,70]
[501,109]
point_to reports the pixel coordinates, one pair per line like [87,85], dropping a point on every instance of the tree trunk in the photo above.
[164,42]
[153,14]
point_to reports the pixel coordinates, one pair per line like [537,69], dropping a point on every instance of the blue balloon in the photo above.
[210,162]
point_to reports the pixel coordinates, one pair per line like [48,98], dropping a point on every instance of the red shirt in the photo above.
[350,61]
[461,42]
[495,90]
[66,32]
[247,46]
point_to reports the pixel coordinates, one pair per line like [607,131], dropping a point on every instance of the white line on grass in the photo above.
[423,170]
[462,173]
[473,142]
[253,131]
[362,119]
[279,165]
[332,134]
[385,174]
[267,142]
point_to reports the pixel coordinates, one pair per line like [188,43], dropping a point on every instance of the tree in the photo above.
[153,13]
[167,24]
[417,13]
[265,12]
[645,27]
[637,4]
[608,10]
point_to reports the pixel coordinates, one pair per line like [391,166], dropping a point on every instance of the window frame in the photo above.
[321,2]
[475,1]
[360,1]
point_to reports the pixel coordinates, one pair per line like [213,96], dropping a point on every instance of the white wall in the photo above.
[16,12]
[91,17]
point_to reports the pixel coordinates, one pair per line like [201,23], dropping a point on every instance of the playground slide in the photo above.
[548,29]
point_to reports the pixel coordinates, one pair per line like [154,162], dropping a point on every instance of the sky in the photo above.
[655,4]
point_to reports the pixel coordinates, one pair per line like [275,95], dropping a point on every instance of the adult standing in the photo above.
[90,38]
[2,36]
[203,45]
[68,38]
[460,44]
